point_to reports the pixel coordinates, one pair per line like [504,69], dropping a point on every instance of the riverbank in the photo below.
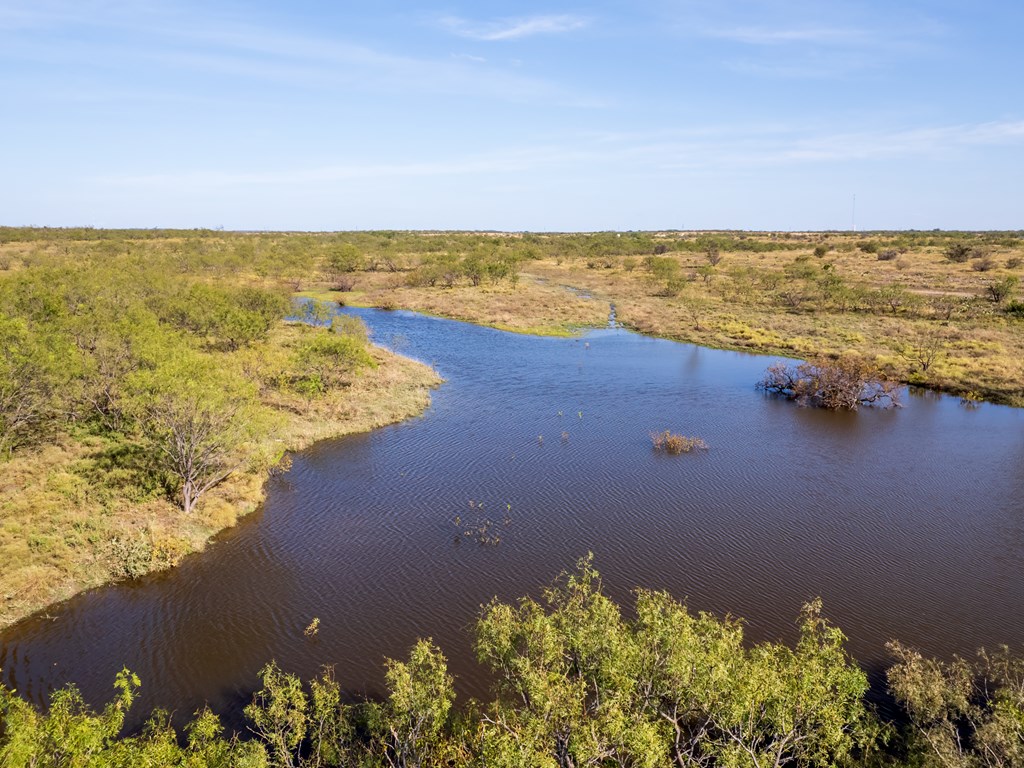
[71,520]
[926,320]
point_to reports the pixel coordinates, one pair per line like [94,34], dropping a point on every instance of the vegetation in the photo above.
[578,684]
[148,382]
[149,379]
[802,295]
[675,444]
[843,384]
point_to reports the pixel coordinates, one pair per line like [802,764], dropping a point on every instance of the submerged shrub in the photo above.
[675,444]
[842,384]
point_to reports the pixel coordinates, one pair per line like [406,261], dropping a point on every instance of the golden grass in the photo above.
[982,353]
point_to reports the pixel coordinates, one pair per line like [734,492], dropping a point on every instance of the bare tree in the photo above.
[842,384]
[197,440]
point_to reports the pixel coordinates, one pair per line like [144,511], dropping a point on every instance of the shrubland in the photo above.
[148,384]
[894,299]
[578,682]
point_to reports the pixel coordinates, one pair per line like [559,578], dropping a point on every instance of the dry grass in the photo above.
[674,444]
[981,350]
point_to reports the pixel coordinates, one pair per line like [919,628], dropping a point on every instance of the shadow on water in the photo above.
[906,522]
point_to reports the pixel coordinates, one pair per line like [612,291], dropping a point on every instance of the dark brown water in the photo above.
[909,523]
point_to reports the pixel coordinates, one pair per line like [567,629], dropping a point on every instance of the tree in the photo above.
[1000,290]
[29,364]
[196,416]
[962,715]
[841,384]
[416,713]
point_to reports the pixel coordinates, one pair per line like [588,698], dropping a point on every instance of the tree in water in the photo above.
[845,383]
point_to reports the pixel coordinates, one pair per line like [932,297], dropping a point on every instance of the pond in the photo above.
[909,523]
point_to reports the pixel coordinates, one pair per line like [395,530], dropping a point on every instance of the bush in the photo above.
[958,253]
[889,254]
[1001,290]
[843,384]
[983,264]
[675,444]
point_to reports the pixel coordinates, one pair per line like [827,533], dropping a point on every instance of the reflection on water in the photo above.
[907,522]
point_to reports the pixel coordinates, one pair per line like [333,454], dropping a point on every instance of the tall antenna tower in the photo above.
[853,214]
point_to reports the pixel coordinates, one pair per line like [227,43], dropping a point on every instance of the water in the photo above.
[909,523]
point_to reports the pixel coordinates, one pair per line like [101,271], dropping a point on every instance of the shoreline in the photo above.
[396,391]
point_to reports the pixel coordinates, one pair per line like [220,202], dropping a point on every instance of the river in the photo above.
[909,523]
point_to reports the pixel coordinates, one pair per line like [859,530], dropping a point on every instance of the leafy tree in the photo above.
[196,416]
[415,717]
[1000,290]
[33,368]
[279,715]
[345,258]
[69,734]
[962,715]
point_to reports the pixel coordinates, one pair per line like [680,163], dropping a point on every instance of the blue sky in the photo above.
[654,114]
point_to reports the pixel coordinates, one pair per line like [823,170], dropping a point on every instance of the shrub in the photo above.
[1013,262]
[821,250]
[983,264]
[958,253]
[889,254]
[1001,290]
[842,384]
[675,444]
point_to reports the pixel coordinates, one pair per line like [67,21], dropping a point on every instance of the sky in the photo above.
[543,116]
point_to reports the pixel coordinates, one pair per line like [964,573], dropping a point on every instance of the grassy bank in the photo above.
[897,298]
[149,382]
[73,517]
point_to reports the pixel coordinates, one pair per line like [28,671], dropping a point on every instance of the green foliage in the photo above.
[962,715]
[69,734]
[30,378]
[415,717]
[196,417]
[958,252]
[322,359]
[1000,290]
[667,273]
[577,684]
[224,315]
[345,257]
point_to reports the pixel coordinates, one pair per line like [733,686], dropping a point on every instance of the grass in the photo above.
[767,302]
[68,522]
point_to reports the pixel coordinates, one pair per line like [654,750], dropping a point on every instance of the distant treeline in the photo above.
[578,685]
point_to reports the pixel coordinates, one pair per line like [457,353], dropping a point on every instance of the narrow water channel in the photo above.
[909,523]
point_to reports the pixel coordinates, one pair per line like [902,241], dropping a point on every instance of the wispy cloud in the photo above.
[656,154]
[807,38]
[786,35]
[512,28]
[151,32]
